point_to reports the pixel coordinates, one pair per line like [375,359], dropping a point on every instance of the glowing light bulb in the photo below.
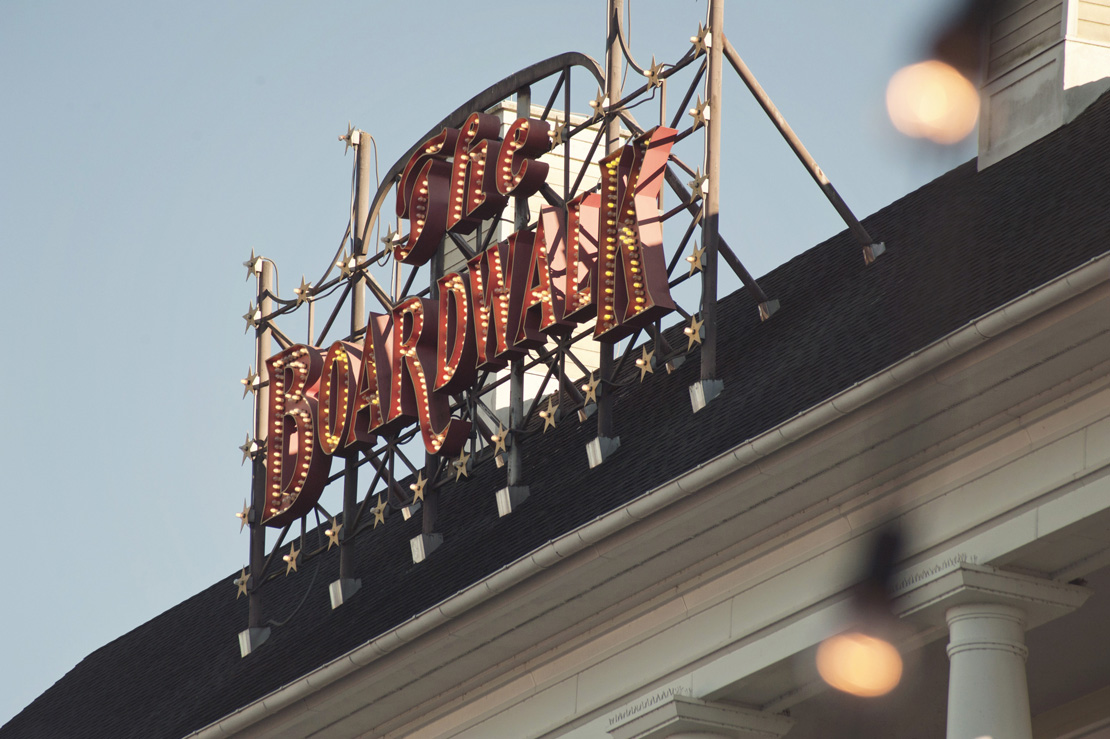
[934,101]
[859,664]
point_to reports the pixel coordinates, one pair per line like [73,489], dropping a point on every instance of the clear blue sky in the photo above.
[145,148]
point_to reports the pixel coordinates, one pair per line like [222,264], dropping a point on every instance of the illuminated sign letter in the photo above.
[422,197]
[296,467]
[490,288]
[414,342]
[572,253]
[537,311]
[374,381]
[336,397]
[455,359]
[631,267]
[474,194]
[524,141]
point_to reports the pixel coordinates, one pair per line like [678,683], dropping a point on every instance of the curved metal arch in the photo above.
[485,99]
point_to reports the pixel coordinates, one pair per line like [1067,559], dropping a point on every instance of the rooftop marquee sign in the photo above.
[600,257]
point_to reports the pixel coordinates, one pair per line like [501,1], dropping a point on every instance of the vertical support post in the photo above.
[516,492]
[347,584]
[607,442]
[255,634]
[987,692]
[521,216]
[709,386]
[711,224]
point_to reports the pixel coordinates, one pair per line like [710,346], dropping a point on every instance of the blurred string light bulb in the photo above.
[859,664]
[863,661]
[932,100]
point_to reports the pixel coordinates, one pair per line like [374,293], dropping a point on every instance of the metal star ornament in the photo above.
[241,583]
[252,317]
[418,487]
[379,512]
[590,389]
[346,264]
[291,558]
[548,415]
[499,440]
[600,103]
[392,238]
[653,74]
[693,332]
[558,134]
[350,138]
[702,40]
[698,189]
[304,292]
[243,515]
[332,533]
[700,113]
[644,362]
[461,470]
[253,265]
[250,382]
[697,259]
[249,449]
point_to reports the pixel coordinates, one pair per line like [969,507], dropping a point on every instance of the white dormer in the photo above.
[1047,60]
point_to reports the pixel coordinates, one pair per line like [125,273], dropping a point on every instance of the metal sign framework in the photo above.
[490,442]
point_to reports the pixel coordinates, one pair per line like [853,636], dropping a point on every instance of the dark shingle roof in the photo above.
[958,247]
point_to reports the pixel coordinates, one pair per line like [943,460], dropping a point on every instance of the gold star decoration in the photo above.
[600,103]
[252,265]
[548,415]
[590,388]
[693,332]
[392,237]
[379,512]
[346,264]
[332,533]
[418,487]
[461,470]
[241,583]
[250,382]
[558,134]
[291,558]
[644,362]
[243,515]
[498,440]
[304,292]
[346,138]
[252,317]
[702,40]
[697,186]
[700,112]
[653,72]
[697,259]
[249,449]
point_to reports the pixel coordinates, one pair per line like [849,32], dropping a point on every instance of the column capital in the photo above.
[681,715]
[1039,600]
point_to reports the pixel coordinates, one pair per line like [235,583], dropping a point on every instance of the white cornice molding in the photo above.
[681,714]
[1041,600]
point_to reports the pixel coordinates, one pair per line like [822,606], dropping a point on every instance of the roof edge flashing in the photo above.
[1017,311]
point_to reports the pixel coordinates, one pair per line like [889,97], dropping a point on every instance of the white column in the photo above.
[987,692]
[987,611]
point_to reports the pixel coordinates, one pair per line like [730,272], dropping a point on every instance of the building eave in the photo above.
[559,559]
